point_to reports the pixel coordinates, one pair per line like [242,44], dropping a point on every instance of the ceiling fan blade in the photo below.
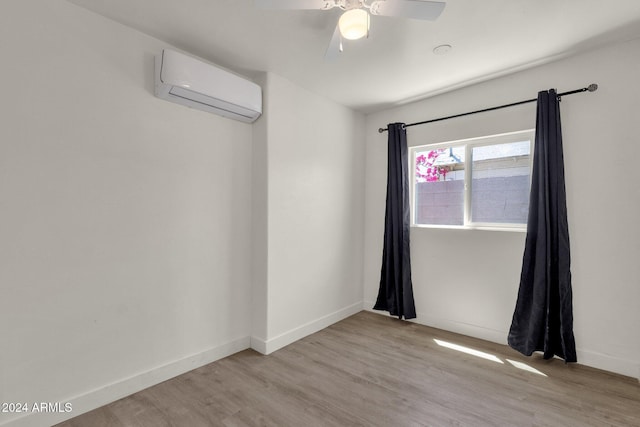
[294,4]
[413,9]
[335,45]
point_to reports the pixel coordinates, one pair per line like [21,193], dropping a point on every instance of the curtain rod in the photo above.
[591,88]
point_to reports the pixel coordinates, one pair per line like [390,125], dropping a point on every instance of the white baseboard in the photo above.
[629,368]
[259,345]
[596,360]
[475,331]
[117,390]
[461,328]
[270,345]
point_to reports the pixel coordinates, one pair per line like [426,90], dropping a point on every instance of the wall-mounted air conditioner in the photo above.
[194,83]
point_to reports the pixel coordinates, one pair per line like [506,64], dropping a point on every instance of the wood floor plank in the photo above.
[372,370]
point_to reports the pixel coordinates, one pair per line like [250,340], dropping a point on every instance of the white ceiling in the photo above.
[396,63]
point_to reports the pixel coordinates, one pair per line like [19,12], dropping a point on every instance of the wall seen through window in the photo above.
[482,182]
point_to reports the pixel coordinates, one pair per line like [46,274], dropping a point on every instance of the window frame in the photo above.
[469,144]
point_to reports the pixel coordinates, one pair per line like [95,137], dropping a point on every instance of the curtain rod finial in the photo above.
[592,87]
[380,130]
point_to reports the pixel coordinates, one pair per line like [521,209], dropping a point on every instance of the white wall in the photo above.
[466,281]
[124,219]
[259,222]
[312,169]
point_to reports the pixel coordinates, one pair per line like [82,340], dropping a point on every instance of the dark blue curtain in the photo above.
[543,317]
[396,292]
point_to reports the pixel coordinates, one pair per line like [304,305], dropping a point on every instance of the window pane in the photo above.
[439,190]
[500,183]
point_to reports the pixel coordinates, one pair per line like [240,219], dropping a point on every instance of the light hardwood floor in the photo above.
[372,370]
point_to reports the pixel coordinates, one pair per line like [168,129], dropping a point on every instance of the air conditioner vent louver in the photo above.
[194,83]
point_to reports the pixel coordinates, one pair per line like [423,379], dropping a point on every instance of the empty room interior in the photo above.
[234,212]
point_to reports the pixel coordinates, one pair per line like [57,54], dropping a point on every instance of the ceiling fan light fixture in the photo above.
[354,24]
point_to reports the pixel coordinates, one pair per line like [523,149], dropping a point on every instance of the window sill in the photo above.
[498,227]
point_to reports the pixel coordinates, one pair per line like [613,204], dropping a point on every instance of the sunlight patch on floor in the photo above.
[525,367]
[468,350]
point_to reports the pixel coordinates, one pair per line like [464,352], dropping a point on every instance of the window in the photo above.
[476,183]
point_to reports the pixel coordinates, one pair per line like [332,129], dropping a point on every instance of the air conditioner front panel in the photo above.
[197,84]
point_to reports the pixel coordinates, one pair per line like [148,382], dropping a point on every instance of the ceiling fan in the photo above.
[354,21]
